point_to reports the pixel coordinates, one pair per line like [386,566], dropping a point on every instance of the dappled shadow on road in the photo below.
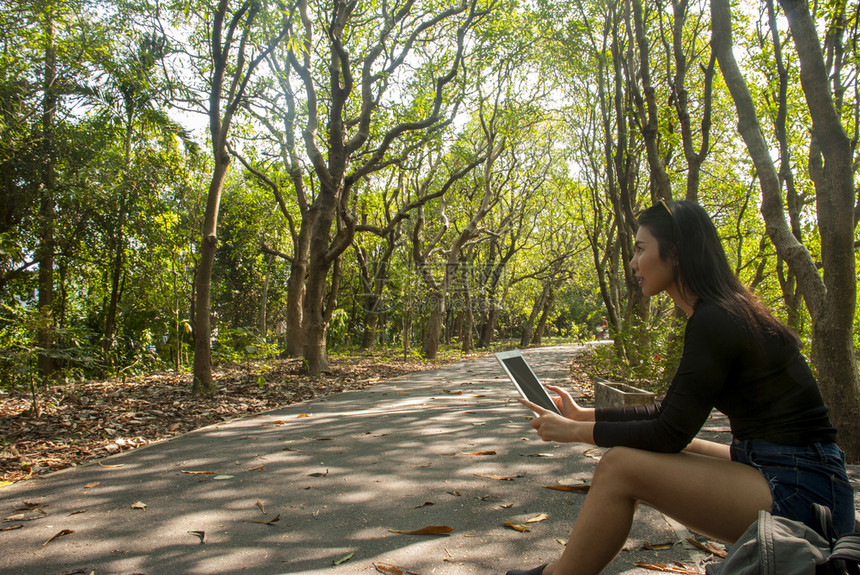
[299,489]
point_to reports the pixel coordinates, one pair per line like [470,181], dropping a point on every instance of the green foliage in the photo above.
[653,360]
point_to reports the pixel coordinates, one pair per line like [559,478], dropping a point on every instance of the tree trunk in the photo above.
[529,325]
[830,298]
[202,380]
[47,206]
[314,324]
[537,338]
[296,289]
[434,325]
[262,319]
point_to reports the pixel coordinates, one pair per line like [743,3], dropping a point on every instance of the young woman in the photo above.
[738,359]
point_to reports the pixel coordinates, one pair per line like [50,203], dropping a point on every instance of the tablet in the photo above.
[525,379]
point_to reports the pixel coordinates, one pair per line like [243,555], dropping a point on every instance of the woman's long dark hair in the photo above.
[686,234]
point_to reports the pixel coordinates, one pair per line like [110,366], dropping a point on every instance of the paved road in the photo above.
[298,489]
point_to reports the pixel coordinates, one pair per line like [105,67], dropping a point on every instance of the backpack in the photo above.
[780,546]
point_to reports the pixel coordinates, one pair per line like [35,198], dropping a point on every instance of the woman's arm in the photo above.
[568,407]
[551,426]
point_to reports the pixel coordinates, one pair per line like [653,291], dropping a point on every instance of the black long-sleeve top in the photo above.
[761,383]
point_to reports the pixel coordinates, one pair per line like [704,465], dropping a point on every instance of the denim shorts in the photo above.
[800,476]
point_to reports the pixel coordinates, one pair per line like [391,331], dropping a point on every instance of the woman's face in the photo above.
[654,273]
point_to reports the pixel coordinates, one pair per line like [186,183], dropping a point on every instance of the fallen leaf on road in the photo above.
[498,477]
[481,453]
[260,467]
[425,504]
[318,474]
[197,472]
[709,547]
[303,415]
[222,477]
[429,530]
[657,546]
[11,527]
[139,505]
[269,522]
[199,534]
[58,535]
[344,559]
[570,488]
[78,512]
[261,506]
[593,453]
[388,569]
[517,527]
[319,438]
[536,518]
[27,515]
[111,466]
[537,454]
[91,485]
[668,568]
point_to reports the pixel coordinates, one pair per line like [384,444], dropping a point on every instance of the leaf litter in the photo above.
[88,421]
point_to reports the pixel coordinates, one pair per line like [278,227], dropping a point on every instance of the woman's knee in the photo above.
[618,463]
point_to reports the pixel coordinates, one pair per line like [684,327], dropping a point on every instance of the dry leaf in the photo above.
[279,422]
[261,506]
[425,504]
[11,527]
[258,468]
[388,569]
[344,559]
[303,415]
[91,485]
[58,535]
[537,454]
[319,438]
[498,477]
[517,527]
[429,530]
[593,453]
[709,547]
[199,534]
[537,518]
[570,488]
[30,515]
[657,546]
[197,472]
[318,474]
[668,569]
[269,522]
[78,512]
[111,466]
[481,453]
[139,505]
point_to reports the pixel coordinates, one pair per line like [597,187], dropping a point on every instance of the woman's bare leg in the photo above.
[710,495]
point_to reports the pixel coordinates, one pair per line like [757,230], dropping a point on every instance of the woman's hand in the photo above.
[568,407]
[551,426]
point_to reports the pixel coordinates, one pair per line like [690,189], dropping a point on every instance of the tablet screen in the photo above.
[526,381]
